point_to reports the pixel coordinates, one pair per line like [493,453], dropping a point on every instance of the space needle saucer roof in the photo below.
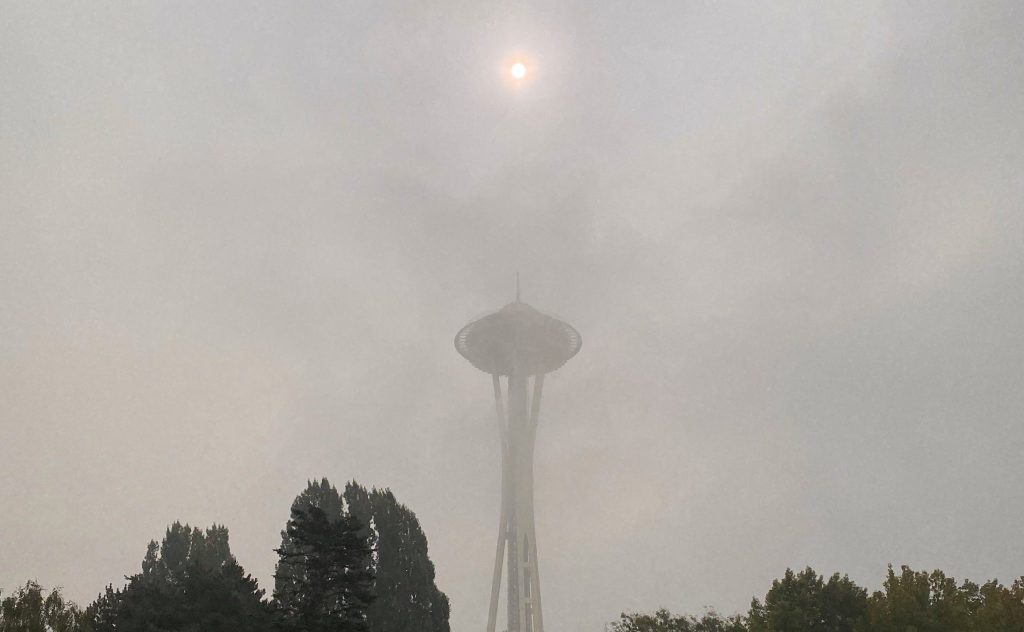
[518,336]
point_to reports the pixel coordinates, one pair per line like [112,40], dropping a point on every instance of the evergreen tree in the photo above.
[320,494]
[189,582]
[324,575]
[406,599]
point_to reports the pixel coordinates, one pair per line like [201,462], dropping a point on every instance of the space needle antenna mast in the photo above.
[513,345]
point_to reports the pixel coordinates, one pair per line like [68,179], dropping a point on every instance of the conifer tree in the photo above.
[320,494]
[324,573]
[190,581]
[406,599]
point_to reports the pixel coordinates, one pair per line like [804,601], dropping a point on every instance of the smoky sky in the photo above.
[237,240]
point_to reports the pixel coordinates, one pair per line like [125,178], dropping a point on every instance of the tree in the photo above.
[319,494]
[190,582]
[408,599]
[663,621]
[805,602]
[324,577]
[1001,608]
[28,610]
[910,601]
[932,602]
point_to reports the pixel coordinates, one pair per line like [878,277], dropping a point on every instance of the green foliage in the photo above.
[28,610]
[324,574]
[190,582]
[1001,608]
[663,621]
[932,602]
[910,601]
[805,601]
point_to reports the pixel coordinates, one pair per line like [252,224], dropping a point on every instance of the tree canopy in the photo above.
[190,581]
[407,599]
[352,562]
[324,573]
[910,601]
[405,596]
[28,609]
[664,621]
[805,601]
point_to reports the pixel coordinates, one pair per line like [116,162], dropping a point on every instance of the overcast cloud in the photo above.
[236,242]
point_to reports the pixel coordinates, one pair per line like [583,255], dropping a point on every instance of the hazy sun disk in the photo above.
[518,70]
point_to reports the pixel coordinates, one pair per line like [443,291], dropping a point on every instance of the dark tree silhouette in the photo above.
[28,610]
[188,582]
[324,575]
[406,599]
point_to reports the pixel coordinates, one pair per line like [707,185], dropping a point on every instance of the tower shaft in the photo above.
[519,343]
[516,533]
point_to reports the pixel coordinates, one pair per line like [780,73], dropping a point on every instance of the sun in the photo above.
[518,70]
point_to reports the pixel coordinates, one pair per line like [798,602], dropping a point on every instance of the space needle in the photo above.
[521,345]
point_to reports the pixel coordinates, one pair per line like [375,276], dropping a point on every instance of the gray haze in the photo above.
[236,242]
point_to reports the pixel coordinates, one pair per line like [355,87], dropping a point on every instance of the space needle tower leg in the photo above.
[523,585]
[533,568]
[492,614]
[520,499]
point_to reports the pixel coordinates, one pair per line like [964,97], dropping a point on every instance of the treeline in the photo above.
[910,601]
[350,562]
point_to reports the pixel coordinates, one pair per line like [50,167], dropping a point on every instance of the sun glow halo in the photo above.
[518,70]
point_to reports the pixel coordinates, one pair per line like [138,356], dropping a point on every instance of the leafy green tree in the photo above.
[408,599]
[805,602]
[28,610]
[910,601]
[189,582]
[1001,608]
[932,602]
[664,621]
[905,603]
[327,578]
